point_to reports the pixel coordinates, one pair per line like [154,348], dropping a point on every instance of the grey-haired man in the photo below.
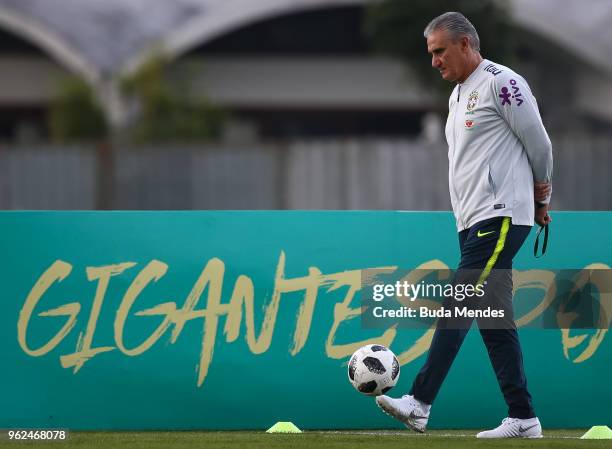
[500,169]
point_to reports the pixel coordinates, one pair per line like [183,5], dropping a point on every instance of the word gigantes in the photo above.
[241,305]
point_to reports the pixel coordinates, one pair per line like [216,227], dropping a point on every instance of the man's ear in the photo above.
[465,43]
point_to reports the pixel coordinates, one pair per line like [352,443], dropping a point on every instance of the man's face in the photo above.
[448,56]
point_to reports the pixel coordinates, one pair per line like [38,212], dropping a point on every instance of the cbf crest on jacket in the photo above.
[497,147]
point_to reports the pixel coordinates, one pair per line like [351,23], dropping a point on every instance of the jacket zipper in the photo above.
[459,217]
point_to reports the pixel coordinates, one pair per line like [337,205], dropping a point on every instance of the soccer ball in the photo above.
[373,370]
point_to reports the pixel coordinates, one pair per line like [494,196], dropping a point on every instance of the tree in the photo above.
[395,27]
[75,115]
[166,112]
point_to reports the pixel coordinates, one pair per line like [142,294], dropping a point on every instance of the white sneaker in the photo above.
[515,428]
[412,412]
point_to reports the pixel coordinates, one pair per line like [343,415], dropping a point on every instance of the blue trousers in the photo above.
[491,243]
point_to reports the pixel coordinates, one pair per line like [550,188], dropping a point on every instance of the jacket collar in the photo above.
[474,75]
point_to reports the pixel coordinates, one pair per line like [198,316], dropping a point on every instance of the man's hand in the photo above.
[541,191]
[541,214]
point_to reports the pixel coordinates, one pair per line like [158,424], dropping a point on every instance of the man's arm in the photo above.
[517,105]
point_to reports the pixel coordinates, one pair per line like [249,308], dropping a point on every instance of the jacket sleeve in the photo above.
[517,105]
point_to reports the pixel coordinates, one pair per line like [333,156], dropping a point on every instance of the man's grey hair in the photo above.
[457,26]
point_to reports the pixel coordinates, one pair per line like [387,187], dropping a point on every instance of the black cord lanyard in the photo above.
[537,241]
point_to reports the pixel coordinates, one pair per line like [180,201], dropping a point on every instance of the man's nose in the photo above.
[435,62]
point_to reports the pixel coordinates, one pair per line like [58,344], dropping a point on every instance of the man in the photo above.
[500,168]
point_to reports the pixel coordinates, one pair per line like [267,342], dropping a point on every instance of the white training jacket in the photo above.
[497,147]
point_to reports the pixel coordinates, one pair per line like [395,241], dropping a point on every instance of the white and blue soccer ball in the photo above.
[373,370]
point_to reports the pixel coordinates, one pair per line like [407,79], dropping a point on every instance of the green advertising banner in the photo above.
[237,320]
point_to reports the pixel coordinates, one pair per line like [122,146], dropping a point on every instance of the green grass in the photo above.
[358,439]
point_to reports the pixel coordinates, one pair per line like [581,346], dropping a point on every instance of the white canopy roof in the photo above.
[97,38]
